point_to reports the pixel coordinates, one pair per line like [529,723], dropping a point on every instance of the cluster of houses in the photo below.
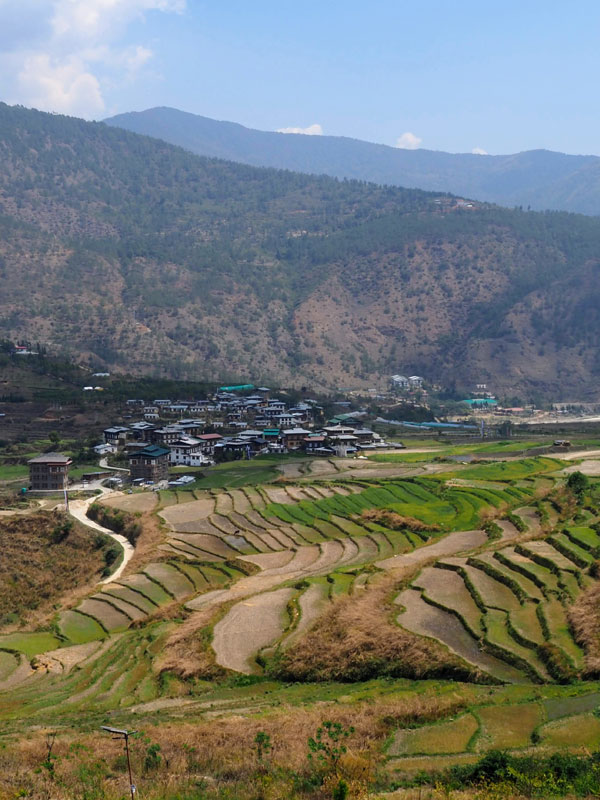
[165,433]
[231,427]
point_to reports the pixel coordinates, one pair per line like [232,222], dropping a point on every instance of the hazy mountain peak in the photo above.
[541,179]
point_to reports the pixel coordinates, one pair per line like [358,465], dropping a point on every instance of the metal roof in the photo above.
[50,458]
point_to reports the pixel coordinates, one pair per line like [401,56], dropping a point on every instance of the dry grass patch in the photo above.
[357,639]
[45,557]
[222,748]
[396,522]
[188,652]
[584,620]
[151,536]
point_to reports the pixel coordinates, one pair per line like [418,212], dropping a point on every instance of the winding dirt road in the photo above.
[78,509]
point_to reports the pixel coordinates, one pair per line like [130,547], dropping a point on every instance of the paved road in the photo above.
[103,463]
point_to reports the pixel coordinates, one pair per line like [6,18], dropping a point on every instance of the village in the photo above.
[164,434]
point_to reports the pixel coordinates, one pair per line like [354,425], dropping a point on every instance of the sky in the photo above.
[486,76]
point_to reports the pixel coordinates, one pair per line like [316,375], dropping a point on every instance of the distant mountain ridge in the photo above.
[540,179]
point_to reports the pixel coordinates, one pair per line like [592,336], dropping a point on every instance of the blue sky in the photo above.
[446,75]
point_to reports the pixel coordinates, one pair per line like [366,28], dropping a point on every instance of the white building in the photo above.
[187,451]
[400,382]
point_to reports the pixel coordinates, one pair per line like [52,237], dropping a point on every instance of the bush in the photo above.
[61,531]
[115,520]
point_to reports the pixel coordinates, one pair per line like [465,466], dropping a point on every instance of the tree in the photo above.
[578,483]
[328,745]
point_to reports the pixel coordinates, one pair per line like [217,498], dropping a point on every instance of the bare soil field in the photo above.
[267,561]
[457,542]
[223,503]
[276,494]
[248,627]
[140,501]
[509,532]
[293,470]
[575,455]
[312,603]
[588,467]
[240,501]
[188,512]
[448,588]
[531,519]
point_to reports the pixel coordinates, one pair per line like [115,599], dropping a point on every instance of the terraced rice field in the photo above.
[511,602]
[248,627]
[445,737]
[427,620]
[497,723]
[270,560]
[508,727]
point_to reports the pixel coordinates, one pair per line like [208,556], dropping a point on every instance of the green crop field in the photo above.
[31,644]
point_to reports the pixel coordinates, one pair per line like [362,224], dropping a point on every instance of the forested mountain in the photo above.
[537,178]
[139,255]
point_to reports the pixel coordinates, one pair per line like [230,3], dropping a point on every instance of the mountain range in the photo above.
[133,254]
[539,179]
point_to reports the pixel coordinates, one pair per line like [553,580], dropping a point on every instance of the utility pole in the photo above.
[124,735]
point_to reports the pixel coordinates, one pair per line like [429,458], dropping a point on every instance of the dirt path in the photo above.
[78,509]
[457,542]
[248,627]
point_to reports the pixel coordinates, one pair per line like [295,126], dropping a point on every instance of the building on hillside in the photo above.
[49,472]
[104,449]
[150,464]
[140,431]
[293,438]
[399,382]
[183,448]
[166,435]
[415,381]
[117,435]
[314,442]
[364,435]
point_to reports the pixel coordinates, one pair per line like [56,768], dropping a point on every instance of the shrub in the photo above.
[115,520]
[396,522]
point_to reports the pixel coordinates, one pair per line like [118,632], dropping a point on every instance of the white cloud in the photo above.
[408,141]
[80,54]
[91,19]
[311,130]
[62,86]
[479,151]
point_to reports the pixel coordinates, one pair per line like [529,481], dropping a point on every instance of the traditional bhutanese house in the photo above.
[150,464]
[293,438]
[49,472]
[208,442]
